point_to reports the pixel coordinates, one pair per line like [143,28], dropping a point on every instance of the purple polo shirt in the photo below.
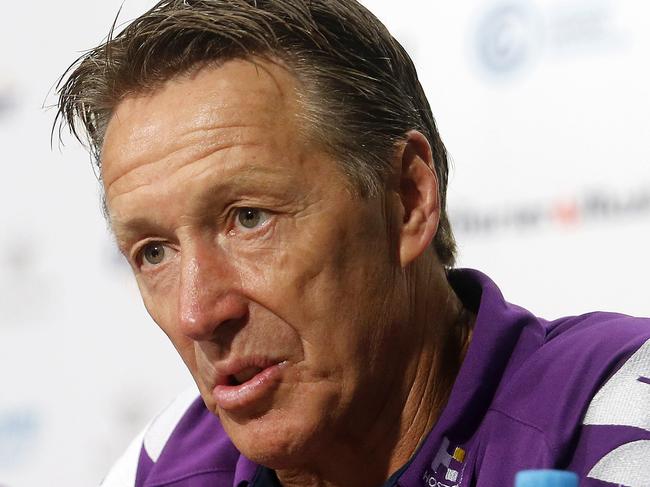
[572,394]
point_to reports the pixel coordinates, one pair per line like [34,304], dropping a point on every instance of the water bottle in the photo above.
[546,478]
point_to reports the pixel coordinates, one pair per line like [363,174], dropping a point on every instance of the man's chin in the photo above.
[271,440]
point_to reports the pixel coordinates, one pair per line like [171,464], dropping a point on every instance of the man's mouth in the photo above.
[243,376]
[246,385]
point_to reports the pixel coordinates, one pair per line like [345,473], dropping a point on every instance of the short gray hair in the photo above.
[361,87]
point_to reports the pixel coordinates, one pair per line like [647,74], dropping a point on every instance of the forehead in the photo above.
[202,111]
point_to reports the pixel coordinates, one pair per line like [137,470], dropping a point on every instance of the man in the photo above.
[274,176]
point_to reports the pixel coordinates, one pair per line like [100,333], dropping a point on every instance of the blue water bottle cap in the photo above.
[546,478]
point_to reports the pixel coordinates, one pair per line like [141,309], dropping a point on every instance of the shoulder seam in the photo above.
[527,424]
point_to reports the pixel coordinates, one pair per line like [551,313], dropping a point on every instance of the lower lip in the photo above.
[244,395]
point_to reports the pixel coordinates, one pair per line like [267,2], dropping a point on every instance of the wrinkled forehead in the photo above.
[235,94]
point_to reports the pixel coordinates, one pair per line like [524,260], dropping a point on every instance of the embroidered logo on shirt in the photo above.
[624,400]
[447,467]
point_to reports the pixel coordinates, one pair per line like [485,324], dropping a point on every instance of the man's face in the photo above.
[270,278]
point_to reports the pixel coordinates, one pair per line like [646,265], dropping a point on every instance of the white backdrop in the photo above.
[545,110]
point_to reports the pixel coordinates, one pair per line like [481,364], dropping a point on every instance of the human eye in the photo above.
[153,254]
[248,218]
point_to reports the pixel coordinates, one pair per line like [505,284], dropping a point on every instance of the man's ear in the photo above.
[418,195]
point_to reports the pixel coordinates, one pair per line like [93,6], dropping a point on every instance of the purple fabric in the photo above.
[198,453]
[145,465]
[517,403]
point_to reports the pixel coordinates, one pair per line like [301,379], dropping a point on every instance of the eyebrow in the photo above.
[130,230]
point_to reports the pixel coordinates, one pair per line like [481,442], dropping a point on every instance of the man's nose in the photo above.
[209,292]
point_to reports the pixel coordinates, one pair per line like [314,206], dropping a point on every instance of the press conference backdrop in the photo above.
[544,107]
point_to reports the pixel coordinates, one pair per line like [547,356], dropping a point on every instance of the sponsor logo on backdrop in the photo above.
[599,207]
[507,37]
[19,435]
[510,36]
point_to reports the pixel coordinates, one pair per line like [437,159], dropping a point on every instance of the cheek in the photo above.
[156,299]
[323,277]
[286,273]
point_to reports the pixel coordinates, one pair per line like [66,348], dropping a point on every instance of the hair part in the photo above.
[359,88]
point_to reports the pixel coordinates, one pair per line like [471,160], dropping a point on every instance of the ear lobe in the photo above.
[418,192]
